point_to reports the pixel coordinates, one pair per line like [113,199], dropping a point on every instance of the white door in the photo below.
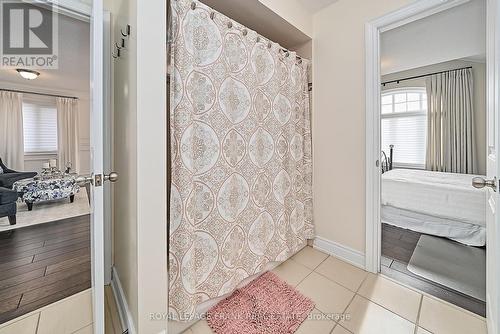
[96,148]
[493,171]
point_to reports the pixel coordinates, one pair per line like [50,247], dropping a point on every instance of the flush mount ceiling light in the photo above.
[28,74]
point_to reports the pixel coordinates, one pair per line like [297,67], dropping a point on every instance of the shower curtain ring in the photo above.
[269,45]
[193,5]
[258,39]
[212,15]
[230,24]
[245,32]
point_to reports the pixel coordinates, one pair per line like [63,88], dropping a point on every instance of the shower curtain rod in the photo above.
[36,93]
[423,75]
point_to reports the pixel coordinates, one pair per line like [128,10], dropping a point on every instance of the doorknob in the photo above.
[96,180]
[479,183]
[111,177]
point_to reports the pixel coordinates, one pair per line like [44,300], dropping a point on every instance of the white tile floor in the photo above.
[72,315]
[374,304]
[371,303]
[67,316]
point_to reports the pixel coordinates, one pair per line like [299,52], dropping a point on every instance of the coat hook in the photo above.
[127,31]
[117,54]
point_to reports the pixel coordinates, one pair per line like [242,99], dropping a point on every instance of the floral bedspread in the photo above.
[46,190]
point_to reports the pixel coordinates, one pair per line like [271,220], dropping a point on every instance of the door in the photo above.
[97,162]
[493,171]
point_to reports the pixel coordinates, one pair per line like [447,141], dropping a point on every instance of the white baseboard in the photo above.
[123,310]
[342,252]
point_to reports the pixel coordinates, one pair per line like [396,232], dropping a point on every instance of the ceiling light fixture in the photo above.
[28,74]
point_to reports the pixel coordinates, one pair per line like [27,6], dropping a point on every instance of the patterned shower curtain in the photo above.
[241,165]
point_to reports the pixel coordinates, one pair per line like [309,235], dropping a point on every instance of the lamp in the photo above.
[27,74]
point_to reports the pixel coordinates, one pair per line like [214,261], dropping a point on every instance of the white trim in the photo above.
[342,252]
[415,11]
[126,319]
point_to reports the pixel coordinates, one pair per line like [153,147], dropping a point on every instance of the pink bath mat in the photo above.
[265,305]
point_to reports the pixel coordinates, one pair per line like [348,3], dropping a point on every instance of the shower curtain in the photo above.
[241,164]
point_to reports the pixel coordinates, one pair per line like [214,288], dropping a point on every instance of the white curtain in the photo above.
[450,122]
[67,132]
[11,130]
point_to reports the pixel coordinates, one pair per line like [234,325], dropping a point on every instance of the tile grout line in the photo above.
[385,308]
[38,322]
[359,287]
[338,283]
[418,313]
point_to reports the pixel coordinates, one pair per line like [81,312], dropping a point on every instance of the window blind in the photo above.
[40,127]
[404,125]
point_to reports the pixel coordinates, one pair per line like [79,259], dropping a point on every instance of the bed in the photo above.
[436,203]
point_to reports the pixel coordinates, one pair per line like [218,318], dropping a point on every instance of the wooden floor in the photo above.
[397,247]
[42,264]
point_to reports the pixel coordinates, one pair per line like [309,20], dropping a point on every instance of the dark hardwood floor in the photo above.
[397,247]
[42,264]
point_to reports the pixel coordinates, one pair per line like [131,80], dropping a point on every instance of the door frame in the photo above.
[373,30]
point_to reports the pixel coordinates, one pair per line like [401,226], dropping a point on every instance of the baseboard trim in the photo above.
[342,252]
[123,309]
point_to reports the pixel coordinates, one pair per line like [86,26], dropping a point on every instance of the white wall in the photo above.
[456,33]
[479,98]
[339,118]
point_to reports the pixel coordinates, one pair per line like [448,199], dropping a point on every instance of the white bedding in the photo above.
[446,204]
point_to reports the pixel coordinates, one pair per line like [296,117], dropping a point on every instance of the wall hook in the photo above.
[117,54]
[127,31]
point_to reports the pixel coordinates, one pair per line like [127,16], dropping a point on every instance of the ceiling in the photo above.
[314,6]
[258,17]
[73,74]
[456,33]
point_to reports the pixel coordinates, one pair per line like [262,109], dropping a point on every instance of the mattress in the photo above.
[449,196]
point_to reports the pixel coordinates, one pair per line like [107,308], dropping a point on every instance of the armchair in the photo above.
[8,207]
[9,176]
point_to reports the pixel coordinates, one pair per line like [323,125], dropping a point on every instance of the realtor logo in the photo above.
[29,35]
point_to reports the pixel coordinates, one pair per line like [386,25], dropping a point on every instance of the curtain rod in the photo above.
[35,93]
[423,75]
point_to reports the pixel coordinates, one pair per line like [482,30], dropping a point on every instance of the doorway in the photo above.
[51,148]
[402,106]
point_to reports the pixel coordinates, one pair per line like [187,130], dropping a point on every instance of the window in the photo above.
[40,127]
[404,125]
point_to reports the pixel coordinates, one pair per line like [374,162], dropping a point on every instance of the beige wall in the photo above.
[292,11]
[125,155]
[479,77]
[339,118]
[140,199]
